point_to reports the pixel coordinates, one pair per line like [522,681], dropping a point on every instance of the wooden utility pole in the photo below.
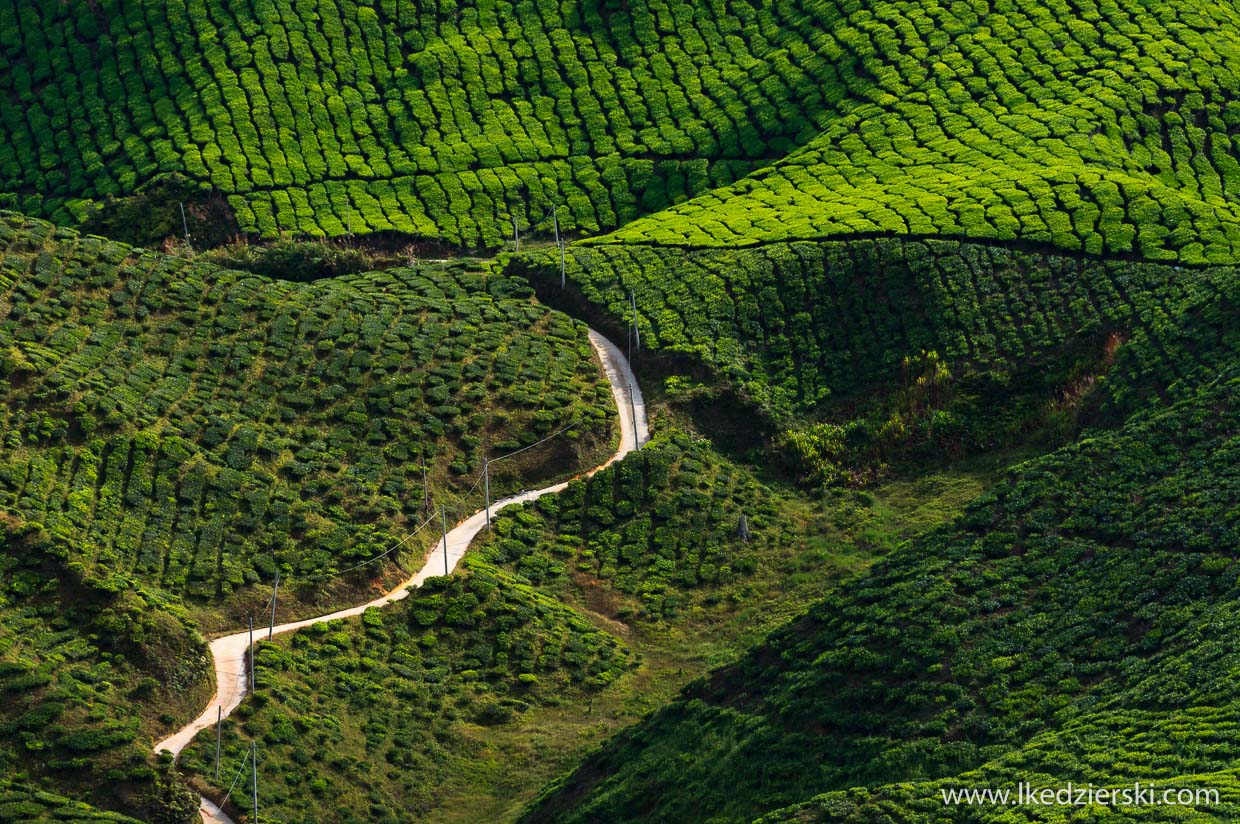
[555,221]
[271,628]
[637,442]
[443,515]
[637,335]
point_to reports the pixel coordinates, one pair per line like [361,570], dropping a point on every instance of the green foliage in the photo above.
[84,660]
[1074,617]
[293,259]
[377,708]
[659,528]
[800,330]
[201,428]
[1102,128]
[358,118]
[19,802]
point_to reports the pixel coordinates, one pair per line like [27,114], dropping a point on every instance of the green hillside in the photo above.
[373,714]
[176,434]
[934,308]
[574,616]
[430,119]
[1070,623]
[93,666]
[811,330]
[203,428]
[1097,127]
[1103,128]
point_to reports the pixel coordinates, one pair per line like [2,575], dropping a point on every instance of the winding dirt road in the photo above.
[229,652]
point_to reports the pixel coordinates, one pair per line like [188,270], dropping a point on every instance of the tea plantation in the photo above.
[1097,127]
[176,434]
[1073,624]
[80,652]
[798,329]
[371,714]
[575,616]
[934,306]
[203,428]
[21,803]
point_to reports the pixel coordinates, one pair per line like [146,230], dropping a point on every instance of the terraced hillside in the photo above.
[874,259]
[1096,127]
[426,119]
[1072,626]
[1103,127]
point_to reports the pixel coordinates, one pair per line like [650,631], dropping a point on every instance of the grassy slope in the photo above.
[1069,621]
[88,659]
[1102,127]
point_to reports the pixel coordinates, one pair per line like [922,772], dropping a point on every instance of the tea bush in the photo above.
[202,427]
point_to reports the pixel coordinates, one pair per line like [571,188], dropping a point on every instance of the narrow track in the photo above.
[229,652]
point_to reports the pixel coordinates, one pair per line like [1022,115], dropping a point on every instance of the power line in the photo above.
[240,769]
[536,443]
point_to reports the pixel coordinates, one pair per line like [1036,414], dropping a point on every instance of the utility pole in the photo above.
[254,764]
[516,235]
[219,730]
[443,515]
[184,222]
[637,335]
[486,486]
[271,629]
[555,221]
[637,441]
[251,654]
